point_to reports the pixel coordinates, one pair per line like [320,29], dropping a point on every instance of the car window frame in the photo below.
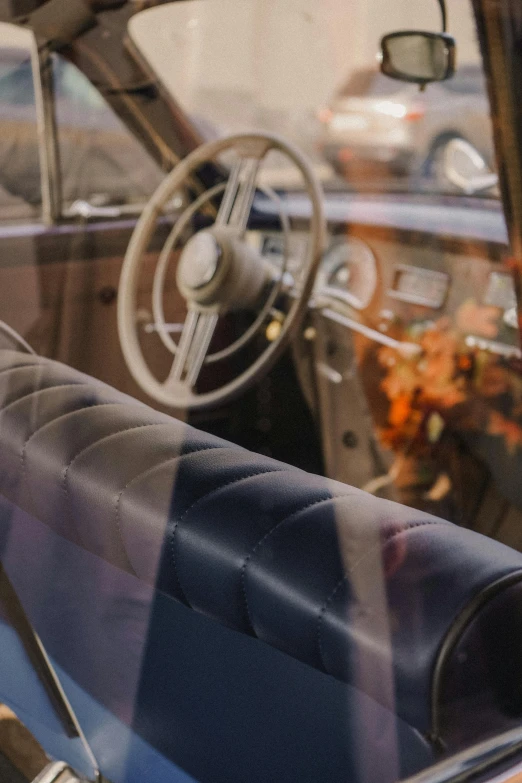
[44,208]
[48,150]
[53,210]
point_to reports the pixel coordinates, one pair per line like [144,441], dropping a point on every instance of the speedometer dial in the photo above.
[348,273]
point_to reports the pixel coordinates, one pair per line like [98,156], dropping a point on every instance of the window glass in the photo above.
[321,580]
[20,187]
[101,161]
[309,71]
[367,82]
[469,80]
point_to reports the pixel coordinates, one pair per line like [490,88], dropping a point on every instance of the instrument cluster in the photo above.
[415,285]
[348,273]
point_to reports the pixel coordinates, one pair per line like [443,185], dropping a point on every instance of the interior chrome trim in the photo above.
[418,299]
[500,349]
[328,372]
[57,771]
[407,349]
[473,761]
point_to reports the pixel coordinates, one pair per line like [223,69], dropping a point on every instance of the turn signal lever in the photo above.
[406,349]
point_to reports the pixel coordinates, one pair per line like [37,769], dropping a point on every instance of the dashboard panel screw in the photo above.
[107,294]
[331,347]
[350,439]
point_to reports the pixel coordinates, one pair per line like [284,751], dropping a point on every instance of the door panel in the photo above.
[59,290]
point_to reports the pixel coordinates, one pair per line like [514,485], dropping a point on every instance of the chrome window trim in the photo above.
[48,151]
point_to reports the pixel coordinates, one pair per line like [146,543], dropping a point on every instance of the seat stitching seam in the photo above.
[230,483]
[322,612]
[50,423]
[387,538]
[65,473]
[6,370]
[248,558]
[40,366]
[141,475]
[96,443]
[34,392]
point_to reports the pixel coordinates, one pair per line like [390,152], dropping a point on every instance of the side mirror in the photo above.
[417,56]
[466,169]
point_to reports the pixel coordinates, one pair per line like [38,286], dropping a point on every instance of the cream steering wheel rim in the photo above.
[181,396]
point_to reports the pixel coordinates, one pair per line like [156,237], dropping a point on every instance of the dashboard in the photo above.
[411,332]
[377,282]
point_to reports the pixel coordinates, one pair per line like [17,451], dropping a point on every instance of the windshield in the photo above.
[367,82]
[310,71]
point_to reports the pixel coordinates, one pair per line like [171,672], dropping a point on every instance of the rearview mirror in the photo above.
[466,169]
[418,57]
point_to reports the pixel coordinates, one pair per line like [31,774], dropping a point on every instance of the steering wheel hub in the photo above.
[199,262]
[219,269]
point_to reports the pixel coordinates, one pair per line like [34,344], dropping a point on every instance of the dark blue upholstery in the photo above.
[359,588]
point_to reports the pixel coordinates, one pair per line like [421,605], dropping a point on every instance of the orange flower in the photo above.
[439,368]
[439,341]
[400,410]
[445,397]
[510,430]
[478,319]
[495,380]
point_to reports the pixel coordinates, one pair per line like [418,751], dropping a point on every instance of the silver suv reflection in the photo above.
[394,128]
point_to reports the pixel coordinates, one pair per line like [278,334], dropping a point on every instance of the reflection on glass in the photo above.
[313,77]
[234,593]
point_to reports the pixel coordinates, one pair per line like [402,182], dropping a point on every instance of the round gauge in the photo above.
[348,272]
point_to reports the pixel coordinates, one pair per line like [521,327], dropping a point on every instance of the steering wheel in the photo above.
[218,272]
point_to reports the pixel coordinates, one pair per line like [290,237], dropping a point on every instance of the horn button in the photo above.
[199,260]
[217,268]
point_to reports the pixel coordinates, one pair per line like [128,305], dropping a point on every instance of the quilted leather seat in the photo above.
[349,584]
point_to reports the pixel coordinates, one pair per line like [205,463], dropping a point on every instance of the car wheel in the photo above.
[434,167]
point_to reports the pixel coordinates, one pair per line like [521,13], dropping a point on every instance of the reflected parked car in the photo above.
[376,120]
[100,160]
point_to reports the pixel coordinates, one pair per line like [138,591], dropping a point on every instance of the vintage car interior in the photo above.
[260,417]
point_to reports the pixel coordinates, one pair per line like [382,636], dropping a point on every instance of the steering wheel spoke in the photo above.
[193,345]
[236,203]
